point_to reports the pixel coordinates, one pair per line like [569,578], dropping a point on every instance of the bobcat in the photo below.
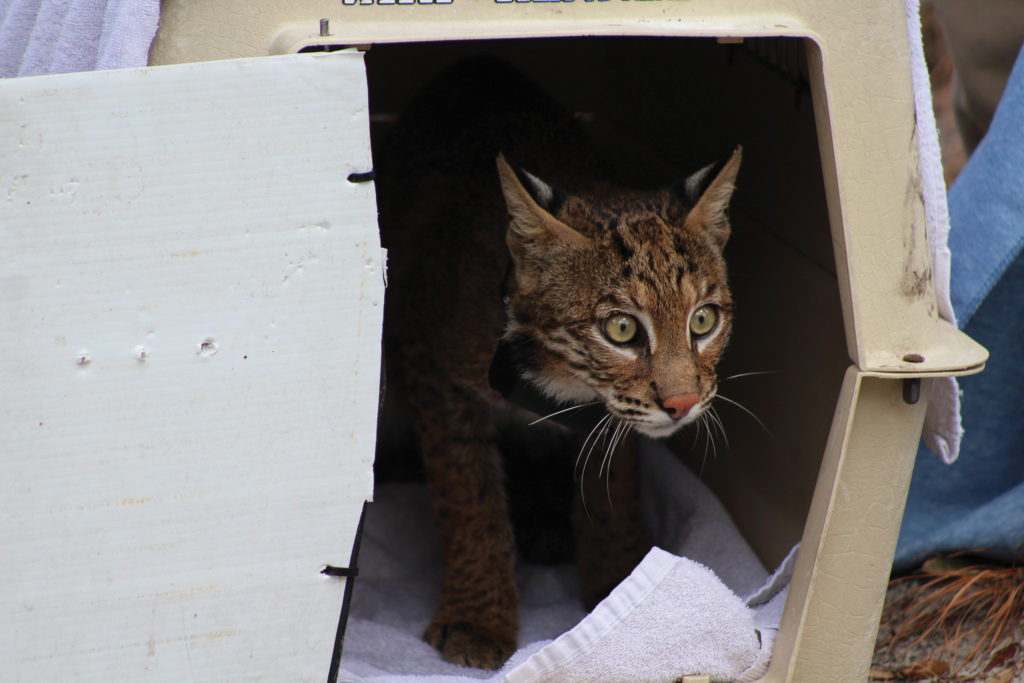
[512,243]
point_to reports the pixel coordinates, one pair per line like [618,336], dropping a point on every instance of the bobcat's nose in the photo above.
[679,406]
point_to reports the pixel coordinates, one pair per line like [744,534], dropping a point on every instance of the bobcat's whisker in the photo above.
[622,430]
[707,440]
[702,421]
[696,432]
[563,410]
[626,427]
[749,374]
[746,410]
[620,425]
[715,419]
[601,425]
[711,437]
[608,447]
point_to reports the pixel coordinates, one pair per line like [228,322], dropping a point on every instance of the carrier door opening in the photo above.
[663,105]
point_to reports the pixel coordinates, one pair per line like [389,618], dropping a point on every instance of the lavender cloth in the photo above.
[59,36]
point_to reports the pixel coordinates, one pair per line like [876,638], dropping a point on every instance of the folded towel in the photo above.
[60,36]
[672,616]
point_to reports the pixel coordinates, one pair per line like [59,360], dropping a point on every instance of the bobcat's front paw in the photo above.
[468,644]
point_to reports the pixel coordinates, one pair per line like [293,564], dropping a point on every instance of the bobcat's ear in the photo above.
[709,191]
[531,203]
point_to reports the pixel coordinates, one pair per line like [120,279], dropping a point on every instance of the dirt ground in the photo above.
[953,620]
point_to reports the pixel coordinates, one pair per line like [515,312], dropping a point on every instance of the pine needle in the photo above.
[950,604]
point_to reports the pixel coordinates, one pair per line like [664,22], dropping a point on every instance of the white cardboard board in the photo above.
[190,311]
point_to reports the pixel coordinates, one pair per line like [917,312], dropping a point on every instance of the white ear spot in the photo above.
[695,183]
[541,191]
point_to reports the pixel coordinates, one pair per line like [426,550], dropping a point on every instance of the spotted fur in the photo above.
[504,234]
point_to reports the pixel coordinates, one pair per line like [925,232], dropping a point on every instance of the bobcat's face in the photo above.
[622,299]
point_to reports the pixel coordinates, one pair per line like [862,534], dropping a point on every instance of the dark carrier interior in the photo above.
[672,105]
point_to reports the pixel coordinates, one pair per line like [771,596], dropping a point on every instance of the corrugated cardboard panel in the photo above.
[190,307]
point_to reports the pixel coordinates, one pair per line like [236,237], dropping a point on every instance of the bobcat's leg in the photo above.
[610,536]
[477,617]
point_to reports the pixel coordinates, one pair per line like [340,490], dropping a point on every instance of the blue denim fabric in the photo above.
[977,503]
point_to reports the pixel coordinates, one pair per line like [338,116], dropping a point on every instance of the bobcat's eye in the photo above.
[621,328]
[703,320]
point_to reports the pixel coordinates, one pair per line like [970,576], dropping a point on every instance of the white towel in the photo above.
[942,428]
[59,36]
[672,616]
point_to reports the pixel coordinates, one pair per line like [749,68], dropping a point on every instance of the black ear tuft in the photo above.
[548,198]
